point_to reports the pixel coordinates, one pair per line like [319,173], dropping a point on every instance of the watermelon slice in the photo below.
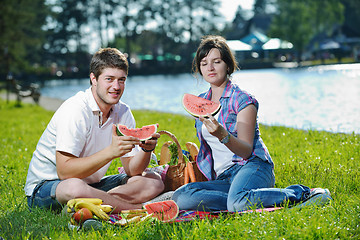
[143,133]
[198,106]
[165,211]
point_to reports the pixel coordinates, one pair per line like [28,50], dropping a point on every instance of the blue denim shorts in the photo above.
[43,195]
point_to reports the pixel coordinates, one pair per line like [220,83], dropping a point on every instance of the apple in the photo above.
[81,215]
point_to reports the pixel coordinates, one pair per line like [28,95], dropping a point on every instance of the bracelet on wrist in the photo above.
[226,139]
[145,150]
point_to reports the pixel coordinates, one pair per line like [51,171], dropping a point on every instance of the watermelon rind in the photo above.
[165,211]
[118,132]
[205,101]
[143,133]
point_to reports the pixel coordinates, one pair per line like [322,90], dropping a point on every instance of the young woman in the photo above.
[232,154]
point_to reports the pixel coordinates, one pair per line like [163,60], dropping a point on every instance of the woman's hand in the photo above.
[214,127]
[242,145]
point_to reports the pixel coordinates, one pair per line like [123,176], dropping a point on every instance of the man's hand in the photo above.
[136,165]
[122,145]
[150,144]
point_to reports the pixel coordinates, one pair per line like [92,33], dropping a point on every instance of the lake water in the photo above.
[319,98]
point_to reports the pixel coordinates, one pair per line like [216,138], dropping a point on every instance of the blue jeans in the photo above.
[43,195]
[239,188]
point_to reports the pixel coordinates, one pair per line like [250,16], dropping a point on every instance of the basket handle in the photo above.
[172,136]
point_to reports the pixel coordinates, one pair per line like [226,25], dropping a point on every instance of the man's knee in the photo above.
[151,181]
[151,185]
[70,188]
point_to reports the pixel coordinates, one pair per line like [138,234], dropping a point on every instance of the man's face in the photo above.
[109,87]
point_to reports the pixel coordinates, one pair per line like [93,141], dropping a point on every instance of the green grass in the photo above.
[316,159]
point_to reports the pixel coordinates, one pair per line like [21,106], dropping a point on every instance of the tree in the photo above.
[260,6]
[64,29]
[237,29]
[352,16]
[21,34]
[182,21]
[299,21]
[125,19]
[186,21]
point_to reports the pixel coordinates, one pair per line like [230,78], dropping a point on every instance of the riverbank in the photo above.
[48,103]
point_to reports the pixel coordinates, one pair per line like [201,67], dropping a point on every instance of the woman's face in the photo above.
[213,68]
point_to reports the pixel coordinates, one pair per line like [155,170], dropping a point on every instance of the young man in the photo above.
[78,145]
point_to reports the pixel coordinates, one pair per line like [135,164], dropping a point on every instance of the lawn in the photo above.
[312,158]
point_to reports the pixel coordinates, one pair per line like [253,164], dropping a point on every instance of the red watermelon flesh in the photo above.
[198,106]
[142,133]
[165,211]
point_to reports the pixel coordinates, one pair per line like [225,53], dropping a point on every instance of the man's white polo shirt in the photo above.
[76,128]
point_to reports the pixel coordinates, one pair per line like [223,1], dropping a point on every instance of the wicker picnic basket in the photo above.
[175,175]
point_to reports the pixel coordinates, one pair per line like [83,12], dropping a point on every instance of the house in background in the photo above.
[343,43]
[253,48]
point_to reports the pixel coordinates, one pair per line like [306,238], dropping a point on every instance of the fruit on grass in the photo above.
[133,216]
[81,215]
[143,133]
[128,221]
[72,202]
[165,211]
[198,106]
[95,209]
[106,208]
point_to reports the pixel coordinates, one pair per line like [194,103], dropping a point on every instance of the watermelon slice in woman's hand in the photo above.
[198,106]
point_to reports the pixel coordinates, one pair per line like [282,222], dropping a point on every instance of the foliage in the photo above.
[352,16]
[192,18]
[64,28]
[260,7]
[42,37]
[128,19]
[21,35]
[174,154]
[316,159]
[172,22]
[39,35]
[299,21]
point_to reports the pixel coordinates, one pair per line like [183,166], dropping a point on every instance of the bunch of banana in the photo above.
[133,216]
[71,203]
[93,204]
